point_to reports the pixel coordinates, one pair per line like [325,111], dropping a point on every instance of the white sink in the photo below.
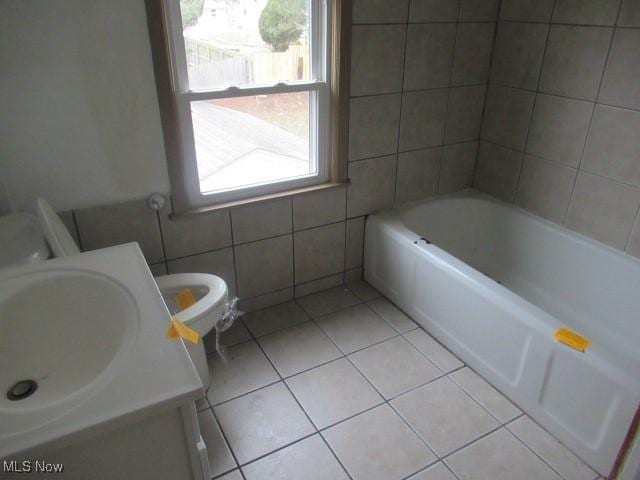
[82,345]
[60,335]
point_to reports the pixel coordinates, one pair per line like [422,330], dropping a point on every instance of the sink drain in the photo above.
[21,390]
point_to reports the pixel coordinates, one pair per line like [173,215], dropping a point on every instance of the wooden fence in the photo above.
[210,66]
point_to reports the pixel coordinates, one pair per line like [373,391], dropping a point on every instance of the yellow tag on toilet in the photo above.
[185,299]
[571,338]
[177,329]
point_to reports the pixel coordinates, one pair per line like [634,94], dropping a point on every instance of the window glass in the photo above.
[246,42]
[252,140]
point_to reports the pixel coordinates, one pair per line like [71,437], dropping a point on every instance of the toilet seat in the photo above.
[202,315]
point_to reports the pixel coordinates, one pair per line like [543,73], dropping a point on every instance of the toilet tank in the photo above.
[21,240]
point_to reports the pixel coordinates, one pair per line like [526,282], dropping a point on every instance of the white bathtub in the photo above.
[494,285]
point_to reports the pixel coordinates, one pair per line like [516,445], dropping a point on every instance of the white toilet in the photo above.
[210,293]
[23,243]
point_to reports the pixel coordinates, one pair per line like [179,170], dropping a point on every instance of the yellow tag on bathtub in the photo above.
[571,338]
[185,299]
[177,329]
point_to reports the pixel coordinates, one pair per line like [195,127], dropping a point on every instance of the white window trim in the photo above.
[318,87]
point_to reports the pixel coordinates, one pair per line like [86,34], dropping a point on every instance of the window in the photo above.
[251,90]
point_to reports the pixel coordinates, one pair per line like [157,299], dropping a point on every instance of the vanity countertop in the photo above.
[144,372]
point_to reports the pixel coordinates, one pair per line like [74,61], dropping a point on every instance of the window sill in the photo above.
[258,199]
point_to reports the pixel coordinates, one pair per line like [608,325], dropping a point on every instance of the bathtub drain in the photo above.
[21,390]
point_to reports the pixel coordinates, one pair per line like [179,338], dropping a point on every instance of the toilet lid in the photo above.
[57,235]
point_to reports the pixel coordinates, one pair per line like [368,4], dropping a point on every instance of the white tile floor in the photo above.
[342,385]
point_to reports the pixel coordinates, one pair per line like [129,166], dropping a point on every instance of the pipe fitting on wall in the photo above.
[156,202]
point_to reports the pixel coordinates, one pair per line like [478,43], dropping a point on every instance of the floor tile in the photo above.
[220,458]
[329,301]
[363,290]
[392,315]
[308,459]
[436,472]
[487,396]
[262,421]
[268,320]
[238,333]
[551,450]
[298,348]
[333,392]
[394,366]
[355,327]
[499,456]
[444,416]
[235,475]
[440,356]
[378,445]
[243,369]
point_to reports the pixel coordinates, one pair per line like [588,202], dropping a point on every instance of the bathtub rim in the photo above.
[471,193]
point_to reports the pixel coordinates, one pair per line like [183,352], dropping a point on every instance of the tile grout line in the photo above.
[506,423]
[450,87]
[162,243]
[565,217]
[415,90]
[412,150]
[523,443]
[286,385]
[445,375]
[468,444]
[595,103]
[345,355]
[364,231]
[224,436]
[252,391]
[534,22]
[593,114]
[566,97]
[281,380]
[384,401]
[471,442]
[487,86]
[335,455]
[346,231]
[533,108]
[478,401]
[233,253]
[560,164]
[455,475]
[293,251]
[279,449]
[402,95]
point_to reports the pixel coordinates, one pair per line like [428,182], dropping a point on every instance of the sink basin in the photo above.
[83,350]
[60,331]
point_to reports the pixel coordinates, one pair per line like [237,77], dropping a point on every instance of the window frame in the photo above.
[174,97]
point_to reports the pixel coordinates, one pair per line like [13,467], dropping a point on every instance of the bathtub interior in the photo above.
[585,285]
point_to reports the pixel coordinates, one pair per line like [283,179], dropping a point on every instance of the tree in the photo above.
[191,11]
[282,22]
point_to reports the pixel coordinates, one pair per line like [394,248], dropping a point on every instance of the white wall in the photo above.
[79,119]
